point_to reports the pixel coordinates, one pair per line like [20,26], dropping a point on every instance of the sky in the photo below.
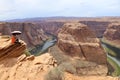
[18,9]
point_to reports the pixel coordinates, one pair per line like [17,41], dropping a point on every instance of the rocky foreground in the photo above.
[15,65]
[26,68]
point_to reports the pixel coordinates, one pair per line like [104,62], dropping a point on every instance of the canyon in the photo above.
[78,53]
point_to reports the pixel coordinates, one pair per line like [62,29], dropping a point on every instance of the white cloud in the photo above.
[5,6]
[6,9]
[33,8]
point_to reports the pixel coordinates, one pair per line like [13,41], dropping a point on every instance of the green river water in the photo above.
[113,58]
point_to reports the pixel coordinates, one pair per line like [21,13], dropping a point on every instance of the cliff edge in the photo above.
[15,65]
[8,50]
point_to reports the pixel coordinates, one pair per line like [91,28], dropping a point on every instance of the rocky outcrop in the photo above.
[82,46]
[98,27]
[31,33]
[8,50]
[26,69]
[77,40]
[113,33]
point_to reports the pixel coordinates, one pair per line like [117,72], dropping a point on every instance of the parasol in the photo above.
[16,32]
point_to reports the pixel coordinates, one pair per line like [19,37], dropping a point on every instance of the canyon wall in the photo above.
[98,27]
[33,33]
[50,27]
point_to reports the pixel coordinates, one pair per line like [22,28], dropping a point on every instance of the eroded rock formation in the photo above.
[77,40]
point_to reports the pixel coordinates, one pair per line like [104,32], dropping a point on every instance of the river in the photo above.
[112,50]
[113,57]
[39,49]
[48,44]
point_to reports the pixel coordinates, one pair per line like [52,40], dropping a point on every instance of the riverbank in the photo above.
[112,57]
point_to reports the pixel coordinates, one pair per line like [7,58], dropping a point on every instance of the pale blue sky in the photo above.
[12,9]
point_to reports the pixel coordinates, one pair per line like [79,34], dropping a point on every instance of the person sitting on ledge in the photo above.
[14,38]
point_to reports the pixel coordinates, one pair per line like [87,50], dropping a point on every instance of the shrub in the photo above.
[67,67]
[55,74]
[27,53]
